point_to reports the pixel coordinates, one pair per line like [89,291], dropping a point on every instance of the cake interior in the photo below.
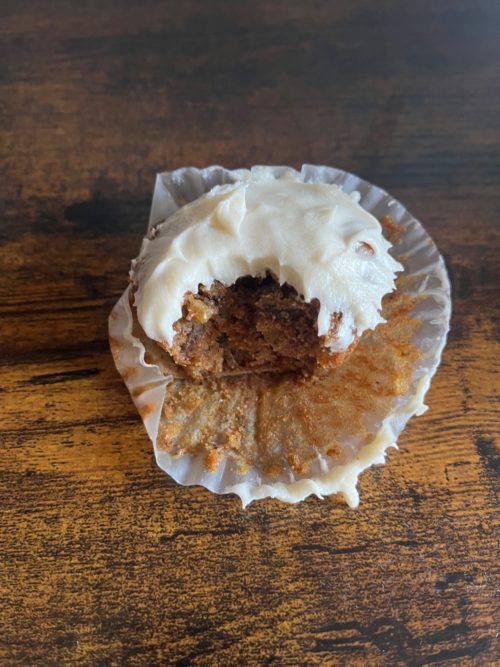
[254,325]
[283,421]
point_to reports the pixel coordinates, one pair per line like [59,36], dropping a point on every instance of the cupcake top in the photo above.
[312,236]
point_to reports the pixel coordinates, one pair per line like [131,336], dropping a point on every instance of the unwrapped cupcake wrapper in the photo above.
[147,383]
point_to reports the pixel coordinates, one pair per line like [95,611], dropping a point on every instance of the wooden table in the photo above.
[104,559]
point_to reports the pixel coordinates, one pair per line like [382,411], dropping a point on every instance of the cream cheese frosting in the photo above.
[312,236]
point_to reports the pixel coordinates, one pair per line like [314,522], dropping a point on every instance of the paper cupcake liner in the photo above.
[147,383]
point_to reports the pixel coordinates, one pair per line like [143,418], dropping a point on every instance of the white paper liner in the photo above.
[147,383]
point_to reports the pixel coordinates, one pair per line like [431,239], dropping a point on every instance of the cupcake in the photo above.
[270,335]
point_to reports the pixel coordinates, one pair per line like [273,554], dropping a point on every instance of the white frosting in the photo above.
[307,234]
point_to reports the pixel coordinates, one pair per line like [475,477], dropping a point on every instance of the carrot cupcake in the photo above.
[271,342]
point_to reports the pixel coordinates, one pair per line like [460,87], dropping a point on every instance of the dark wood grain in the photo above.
[104,560]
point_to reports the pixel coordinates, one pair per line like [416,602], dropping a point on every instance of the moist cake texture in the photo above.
[255,325]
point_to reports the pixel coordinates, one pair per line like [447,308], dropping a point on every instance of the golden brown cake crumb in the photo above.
[254,325]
